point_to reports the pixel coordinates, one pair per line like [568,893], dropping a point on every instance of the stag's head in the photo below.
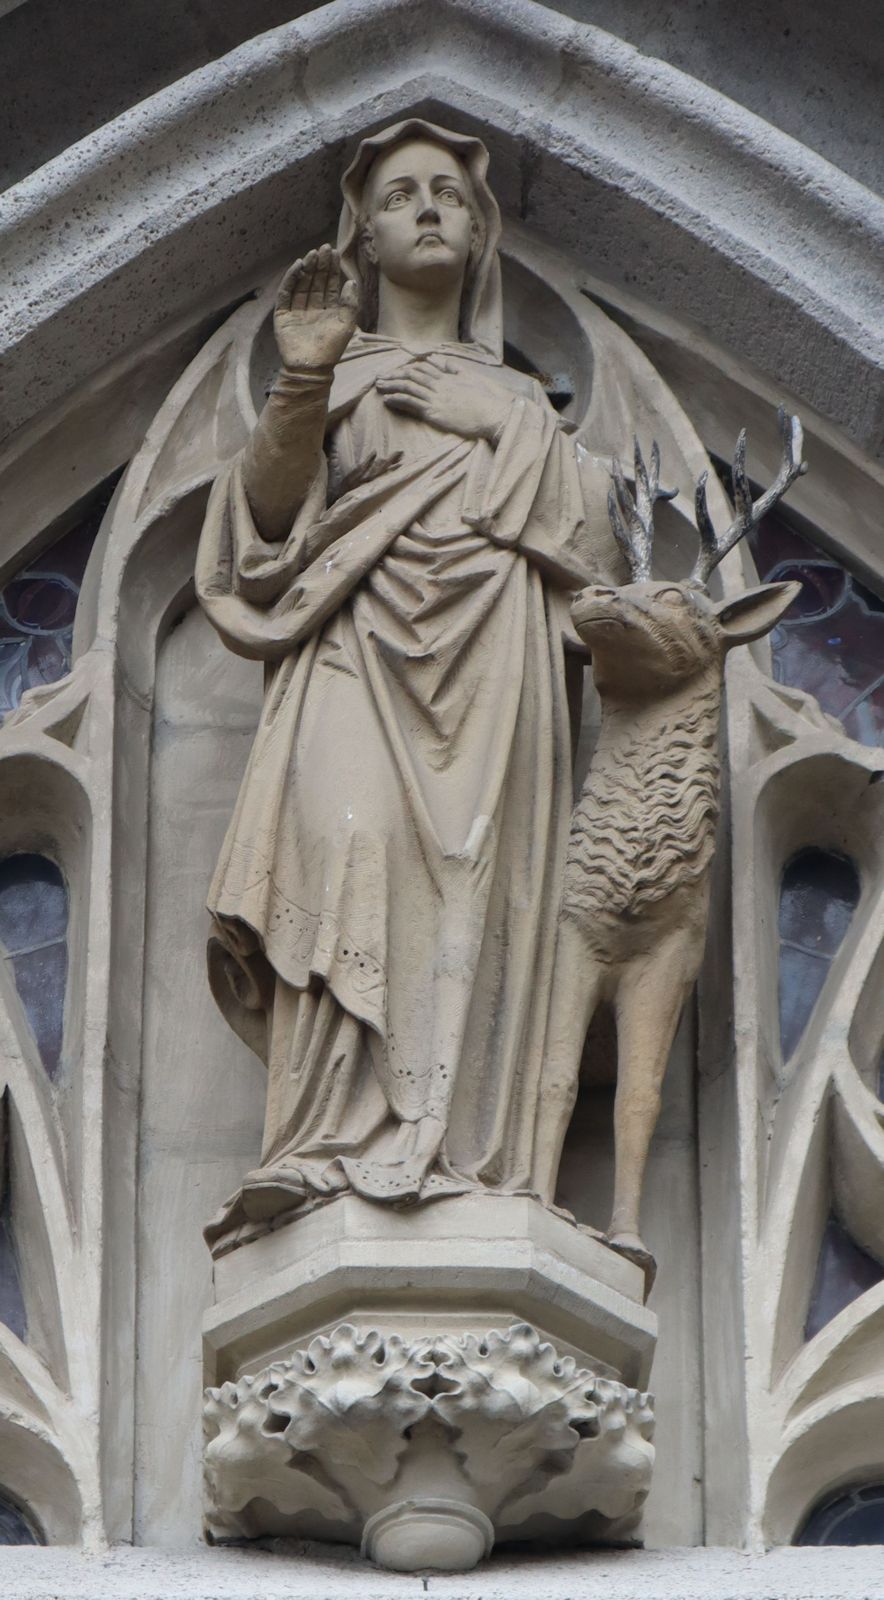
[648,635]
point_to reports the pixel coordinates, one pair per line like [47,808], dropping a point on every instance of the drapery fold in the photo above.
[386,898]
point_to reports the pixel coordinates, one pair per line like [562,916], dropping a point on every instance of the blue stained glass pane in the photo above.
[801,978]
[818,894]
[16,1527]
[33,902]
[40,977]
[33,934]
[38,605]
[831,640]
[844,1272]
[851,1517]
[12,1303]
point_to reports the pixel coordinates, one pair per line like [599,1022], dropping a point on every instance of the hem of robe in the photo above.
[238,945]
[284,1199]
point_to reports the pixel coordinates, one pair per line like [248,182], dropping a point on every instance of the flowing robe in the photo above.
[386,899]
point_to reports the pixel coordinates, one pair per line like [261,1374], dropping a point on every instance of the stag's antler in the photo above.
[749,511]
[632,518]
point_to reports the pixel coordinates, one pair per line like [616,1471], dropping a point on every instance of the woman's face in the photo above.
[418,201]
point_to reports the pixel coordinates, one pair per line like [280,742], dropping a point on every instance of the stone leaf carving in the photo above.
[376,1422]
[348,1400]
[247,1459]
[517,1409]
[609,1471]
[353,1397]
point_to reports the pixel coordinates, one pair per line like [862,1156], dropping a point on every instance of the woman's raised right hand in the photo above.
[316,310]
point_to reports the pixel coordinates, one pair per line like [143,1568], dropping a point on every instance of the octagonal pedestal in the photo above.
[423,1382]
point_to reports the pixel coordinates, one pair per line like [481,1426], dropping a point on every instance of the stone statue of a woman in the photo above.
[398,543]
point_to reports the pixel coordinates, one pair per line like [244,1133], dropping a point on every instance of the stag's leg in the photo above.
[575,990]
[650,998]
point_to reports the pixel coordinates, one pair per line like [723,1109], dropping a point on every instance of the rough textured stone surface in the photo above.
[114,55]
[321,1573]
[652,178]
[813,71]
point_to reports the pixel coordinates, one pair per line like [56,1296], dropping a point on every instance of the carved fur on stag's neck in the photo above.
[644,826]
[643,829]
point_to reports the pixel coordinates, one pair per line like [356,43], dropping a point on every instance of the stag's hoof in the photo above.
[630,1246]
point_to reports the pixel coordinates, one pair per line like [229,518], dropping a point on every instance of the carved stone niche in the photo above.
[425,1383]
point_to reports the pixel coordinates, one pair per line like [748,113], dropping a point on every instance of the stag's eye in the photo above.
[671,597]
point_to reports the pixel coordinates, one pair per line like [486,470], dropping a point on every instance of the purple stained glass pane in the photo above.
[41,603]
[851,1517]
[818,895]
[38,605]
[831,640]
[844,1272]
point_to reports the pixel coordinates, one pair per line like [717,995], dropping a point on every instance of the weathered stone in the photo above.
[421,1449]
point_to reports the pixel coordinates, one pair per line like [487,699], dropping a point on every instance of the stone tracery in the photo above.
[59,713]
[864,1047]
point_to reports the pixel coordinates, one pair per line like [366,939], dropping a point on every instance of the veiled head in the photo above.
[417,208]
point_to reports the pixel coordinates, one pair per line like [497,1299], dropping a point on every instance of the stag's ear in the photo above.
[754,613]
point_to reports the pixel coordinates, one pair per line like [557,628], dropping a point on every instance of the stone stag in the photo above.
[636,887]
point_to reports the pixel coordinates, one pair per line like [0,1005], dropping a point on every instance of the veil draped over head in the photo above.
[482,312]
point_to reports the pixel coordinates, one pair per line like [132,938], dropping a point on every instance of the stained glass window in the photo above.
[12,1304]
[844,1272]
[38,604]
[33,936]
[818,895]
[853,1516]
[15,1526]
[831,640]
